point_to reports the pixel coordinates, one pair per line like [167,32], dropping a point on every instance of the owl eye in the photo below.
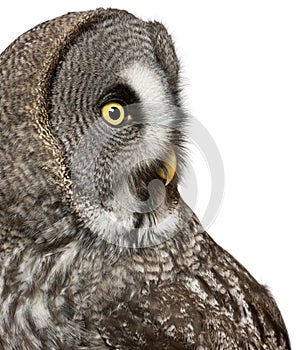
[113,113]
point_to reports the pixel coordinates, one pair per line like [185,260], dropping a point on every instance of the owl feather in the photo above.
[97,248]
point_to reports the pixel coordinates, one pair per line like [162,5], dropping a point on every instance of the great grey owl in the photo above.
[97,249]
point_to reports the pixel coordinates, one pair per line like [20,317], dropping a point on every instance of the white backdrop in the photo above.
[240,72]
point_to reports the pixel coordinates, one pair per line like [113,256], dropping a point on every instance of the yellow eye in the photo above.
[113,113]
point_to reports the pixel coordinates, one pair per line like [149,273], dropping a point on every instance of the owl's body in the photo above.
[79,269]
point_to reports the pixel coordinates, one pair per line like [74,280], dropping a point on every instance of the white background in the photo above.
[240,72]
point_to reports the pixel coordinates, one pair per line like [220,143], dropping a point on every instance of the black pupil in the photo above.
[114,113]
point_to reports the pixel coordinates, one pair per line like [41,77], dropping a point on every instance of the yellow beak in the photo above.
[168,170]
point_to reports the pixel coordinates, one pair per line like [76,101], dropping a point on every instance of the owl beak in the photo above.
[168,169]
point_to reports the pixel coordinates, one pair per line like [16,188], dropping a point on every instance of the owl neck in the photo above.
[138,224]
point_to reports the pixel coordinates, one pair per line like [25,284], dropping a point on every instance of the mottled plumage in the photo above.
[79,269]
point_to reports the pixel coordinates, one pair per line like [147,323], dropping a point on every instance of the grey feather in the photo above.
[78,268]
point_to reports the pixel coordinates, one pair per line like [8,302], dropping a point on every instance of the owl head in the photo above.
[114,106]
[106,106]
